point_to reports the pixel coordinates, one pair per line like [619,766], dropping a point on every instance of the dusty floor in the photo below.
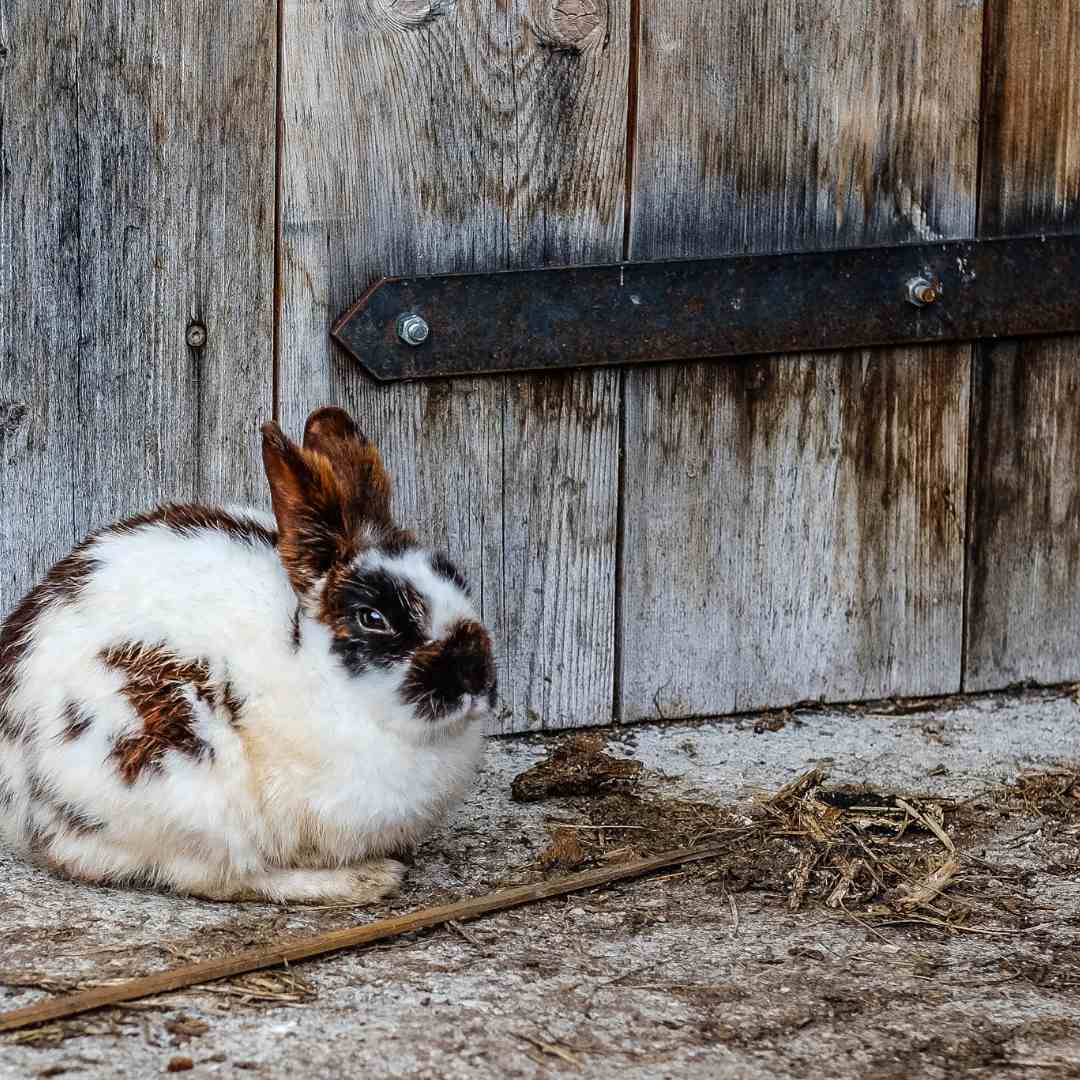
[689,973]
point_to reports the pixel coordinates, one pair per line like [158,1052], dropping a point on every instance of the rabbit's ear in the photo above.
[357,465]
[313,529]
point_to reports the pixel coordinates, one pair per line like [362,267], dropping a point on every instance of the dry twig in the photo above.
[333,941]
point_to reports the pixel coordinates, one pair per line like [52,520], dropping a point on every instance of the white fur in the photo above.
[325,771]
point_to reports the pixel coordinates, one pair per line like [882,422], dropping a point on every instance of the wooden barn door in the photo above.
[720,536]
[183,215]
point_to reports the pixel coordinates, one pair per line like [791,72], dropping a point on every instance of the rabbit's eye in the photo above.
[374,621]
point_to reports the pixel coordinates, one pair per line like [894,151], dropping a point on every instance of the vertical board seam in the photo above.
[620,447]
[502,522]
[631,121]
[976,357]
[969,511]
[620,543]
[75,442]
[279,187]
[984,128]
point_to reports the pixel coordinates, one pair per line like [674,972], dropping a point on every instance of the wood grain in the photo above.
[39,290]
[793,527]
[426,137]
[176,145]
[137,155]
[1023,605]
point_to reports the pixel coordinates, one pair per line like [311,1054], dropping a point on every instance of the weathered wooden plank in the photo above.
[39,289]
[176,163]
[434,136]
[793,529]
[137,195]
[1023,604]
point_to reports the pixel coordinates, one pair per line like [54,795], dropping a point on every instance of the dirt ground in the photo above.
[842,932]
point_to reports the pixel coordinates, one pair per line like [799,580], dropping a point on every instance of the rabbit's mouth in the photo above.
[471,707]
[468,710]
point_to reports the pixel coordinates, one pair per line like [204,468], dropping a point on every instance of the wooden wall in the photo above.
[665,541]
[136,197]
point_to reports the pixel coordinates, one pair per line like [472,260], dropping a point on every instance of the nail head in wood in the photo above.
[196,335]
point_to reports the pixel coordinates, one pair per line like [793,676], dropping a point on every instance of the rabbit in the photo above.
[238,706]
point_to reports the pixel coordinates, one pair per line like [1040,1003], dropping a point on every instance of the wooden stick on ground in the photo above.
[303,948]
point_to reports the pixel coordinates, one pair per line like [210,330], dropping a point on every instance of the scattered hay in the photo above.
[271,987]
[625,826]
[578,766]
[866,852]
[565,852]
[849,849]
[1052,793]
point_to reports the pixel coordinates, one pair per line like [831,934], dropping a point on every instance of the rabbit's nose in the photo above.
[468,652]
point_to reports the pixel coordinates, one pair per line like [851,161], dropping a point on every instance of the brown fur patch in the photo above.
[397,541]
[310,509]
[61,585]
[157,685]
[355,462]
[186,518]
[76,722]
[331,497]
[67,578]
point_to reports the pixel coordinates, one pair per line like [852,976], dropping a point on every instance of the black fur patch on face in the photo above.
[400,605]
[296,629]
[442,566]
[442,672]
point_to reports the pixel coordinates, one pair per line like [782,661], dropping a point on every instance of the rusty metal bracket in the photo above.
[637,313]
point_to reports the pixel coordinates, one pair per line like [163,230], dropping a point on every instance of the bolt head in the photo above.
[196,335]
[921,291]
[412,329]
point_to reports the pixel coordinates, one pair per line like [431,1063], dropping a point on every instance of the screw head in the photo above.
[412,329]
[196,335]
[921,291]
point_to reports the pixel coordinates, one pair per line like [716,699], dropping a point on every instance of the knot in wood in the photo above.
[195,335]
[573,25]
[408,14]
[12,414]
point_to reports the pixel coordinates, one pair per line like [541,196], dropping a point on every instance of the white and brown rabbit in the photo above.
[213,702]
